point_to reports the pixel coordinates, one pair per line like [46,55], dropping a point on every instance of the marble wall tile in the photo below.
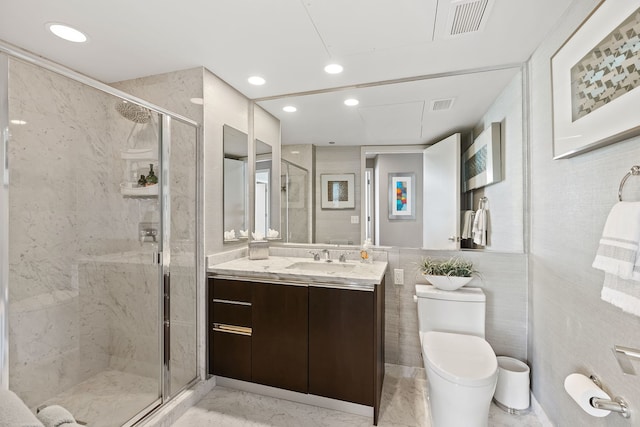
[46,167]
[75,315]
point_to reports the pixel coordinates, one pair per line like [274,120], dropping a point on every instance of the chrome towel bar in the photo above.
[635,170]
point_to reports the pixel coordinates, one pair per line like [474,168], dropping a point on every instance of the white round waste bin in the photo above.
[512,390]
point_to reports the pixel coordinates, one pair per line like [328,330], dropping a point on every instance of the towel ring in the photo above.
[635,170]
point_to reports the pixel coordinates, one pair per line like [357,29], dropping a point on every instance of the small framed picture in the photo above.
[402,196]
[338,191]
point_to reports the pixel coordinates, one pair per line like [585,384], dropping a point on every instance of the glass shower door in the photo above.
[84,286]
[180,251]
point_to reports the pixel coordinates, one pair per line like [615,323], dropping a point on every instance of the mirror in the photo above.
[396,116]
[295,215]
[235,197]
[264,194]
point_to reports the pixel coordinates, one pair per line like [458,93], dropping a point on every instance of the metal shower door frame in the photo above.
[8,51]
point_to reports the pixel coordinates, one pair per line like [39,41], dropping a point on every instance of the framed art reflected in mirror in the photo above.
[338,191]
[402,195]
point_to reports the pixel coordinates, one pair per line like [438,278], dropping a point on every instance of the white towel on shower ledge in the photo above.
[620,243]
[56,416]
[14,412]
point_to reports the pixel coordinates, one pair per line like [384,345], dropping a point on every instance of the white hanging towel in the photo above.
[619,257]
[467,224]
[480,227]
[618,250]
[624,294]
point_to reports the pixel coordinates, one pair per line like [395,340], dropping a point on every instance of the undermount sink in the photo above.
[324,267]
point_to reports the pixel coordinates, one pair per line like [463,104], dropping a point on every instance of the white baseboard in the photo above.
[308,399]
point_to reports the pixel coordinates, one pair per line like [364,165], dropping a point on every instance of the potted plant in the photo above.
[449,274]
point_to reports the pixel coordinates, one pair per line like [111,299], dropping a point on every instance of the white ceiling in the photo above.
[288,42]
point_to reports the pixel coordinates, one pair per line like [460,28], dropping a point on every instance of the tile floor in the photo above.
[404,404]
[109,398]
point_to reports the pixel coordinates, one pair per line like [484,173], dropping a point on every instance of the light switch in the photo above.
[355,219]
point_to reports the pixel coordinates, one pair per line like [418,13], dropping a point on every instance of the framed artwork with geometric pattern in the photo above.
[595,81]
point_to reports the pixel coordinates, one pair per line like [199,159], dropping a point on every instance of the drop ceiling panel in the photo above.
[282,40]
[359,26]
[393,123]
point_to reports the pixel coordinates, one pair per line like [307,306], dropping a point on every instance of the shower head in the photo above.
[134,112]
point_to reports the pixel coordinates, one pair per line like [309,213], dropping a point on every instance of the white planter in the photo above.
[447,283]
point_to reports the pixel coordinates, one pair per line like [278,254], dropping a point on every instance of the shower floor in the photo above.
[109,398]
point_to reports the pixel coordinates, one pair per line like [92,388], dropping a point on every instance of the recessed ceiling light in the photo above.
[351,102]
[197,101]
[290,109]
[295,152]
[257,80]
[333,68]
[67,33]
[18,122]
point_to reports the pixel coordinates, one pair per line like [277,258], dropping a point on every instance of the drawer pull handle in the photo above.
[230,329]
[228,301]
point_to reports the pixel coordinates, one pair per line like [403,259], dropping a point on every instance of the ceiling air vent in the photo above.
[442,104]
[467,16]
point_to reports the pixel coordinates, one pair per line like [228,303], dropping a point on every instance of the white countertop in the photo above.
[279,268]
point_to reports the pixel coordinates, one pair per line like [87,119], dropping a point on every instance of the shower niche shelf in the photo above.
[137,163]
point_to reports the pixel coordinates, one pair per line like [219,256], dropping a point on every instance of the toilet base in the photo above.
[454,406]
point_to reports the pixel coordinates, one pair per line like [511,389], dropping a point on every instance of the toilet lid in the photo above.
[462,359]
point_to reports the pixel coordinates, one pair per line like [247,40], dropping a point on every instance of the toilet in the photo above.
[462,368]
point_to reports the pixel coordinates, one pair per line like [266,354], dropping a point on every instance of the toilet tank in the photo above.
[460,311]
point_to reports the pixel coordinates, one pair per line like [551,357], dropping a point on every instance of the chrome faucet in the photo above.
[327,255]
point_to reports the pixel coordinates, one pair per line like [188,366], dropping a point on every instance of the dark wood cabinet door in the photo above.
[231,355]
[279,341]
[341,344]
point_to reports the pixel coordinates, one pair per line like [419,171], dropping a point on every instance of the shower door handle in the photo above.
[167,317]
[5,153]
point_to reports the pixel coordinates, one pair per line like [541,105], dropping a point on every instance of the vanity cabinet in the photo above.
[320,339]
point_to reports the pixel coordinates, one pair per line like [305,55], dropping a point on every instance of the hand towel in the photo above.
[618,250]
[13,411]
[480,227]
[624,294]
[467,224]
[56,416]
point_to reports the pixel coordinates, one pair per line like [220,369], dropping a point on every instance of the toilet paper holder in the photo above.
[618,404]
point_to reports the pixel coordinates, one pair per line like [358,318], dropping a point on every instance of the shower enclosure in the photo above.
[99,283]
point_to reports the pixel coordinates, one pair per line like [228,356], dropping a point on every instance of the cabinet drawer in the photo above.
[231,314]
[231,355]
[232,290]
